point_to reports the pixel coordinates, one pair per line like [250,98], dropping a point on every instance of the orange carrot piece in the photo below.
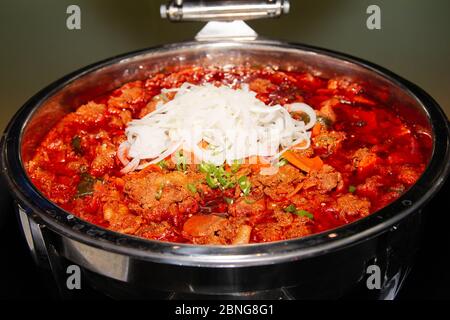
[303,163]
[316,129]
[296,190]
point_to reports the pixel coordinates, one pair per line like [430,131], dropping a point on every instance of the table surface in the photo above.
[37,47]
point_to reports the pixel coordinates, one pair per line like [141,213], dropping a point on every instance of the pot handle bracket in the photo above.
[225,19]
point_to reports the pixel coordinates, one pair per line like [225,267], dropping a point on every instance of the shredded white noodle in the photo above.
[217,125]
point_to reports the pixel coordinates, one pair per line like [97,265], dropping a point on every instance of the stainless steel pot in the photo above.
[330,264]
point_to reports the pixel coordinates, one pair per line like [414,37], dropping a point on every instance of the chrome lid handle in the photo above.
[190,10]
[225,18]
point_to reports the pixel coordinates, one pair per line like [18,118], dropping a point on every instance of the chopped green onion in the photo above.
[85,186]
[76,145]
[162,164]
[245,185]
[217,176]
[235,166]
[351,189]
[192,188]
[291,208]
[206,168]
[181,161]
[281,163]
[249,201]
[324,121]
[212,181]
[304,213]
[228,200]
[158,193]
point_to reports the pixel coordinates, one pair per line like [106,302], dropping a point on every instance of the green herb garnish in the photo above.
[191,187]
[162,164]
[76,145]
[249,201]
[235,166]
[181,161]
[351,189]
[281,163]
[291,208]
[158,193]
[245,185]
[302,213]
[211,180]
[324,121]
[217,176]
[86,185]
[228,200]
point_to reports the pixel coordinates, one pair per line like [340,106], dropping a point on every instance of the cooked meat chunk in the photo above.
[243,235]
[260,85]
[350,206]
[212,229]
[128,96]
[326,109]
[90,113]
[279,185]
[328,142]
[324,180]
[158,196]
[250,207]
[104,160]
[119,217]
[409,174]
[371,187]
[120,119]
[364,159]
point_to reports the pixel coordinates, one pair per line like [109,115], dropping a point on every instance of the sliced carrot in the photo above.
[300,145]
[296,190]
[316,129]
[363,100]
[303,163]
[154,167]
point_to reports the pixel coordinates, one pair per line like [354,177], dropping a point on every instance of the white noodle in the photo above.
[233,122]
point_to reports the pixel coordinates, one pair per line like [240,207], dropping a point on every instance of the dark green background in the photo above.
[37,48]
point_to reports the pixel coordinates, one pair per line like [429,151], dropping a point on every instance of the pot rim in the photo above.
[62,222]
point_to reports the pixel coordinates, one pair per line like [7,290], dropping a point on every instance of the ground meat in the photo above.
[328,142]
[119,217]
[161,196]
[120,119]
[350,207]
[130,96]
[90,113]
[324,180]
[281,229]
[326,109]
[104,159]
[252,207]
[371,187]
[363,159]
[210,229]
[409,174]
[279,185]
[260,85]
